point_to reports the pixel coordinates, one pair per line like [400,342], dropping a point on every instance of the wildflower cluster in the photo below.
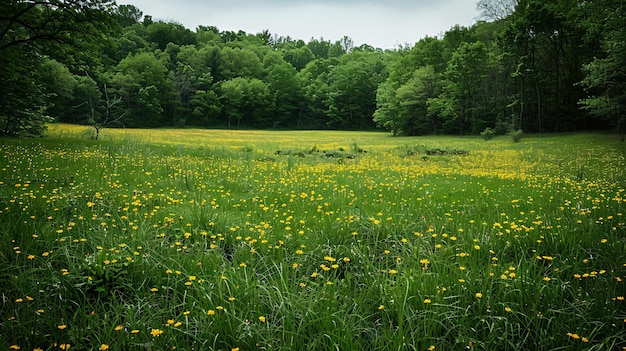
[211,246]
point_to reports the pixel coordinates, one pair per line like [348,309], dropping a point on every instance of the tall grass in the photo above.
[250,240]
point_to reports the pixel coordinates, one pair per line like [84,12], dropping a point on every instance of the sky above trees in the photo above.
[383,24]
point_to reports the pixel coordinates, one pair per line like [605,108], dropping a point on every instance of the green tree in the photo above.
[141,82]
[162,33]
[315,82]
[31,30]
[238,62]
[605,75]
[352,90]
[387,114]
[413,97]
[59,85]
[463,101]
[284,88]
[246,98]
[127,15]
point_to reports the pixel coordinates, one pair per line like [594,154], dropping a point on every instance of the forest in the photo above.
[532,65]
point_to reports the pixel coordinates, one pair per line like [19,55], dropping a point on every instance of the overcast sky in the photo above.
[380,23]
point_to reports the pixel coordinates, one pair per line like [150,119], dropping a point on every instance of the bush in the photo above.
[516,135]
[488,133]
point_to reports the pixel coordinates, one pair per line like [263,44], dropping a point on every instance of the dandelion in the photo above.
[119,327]
[103,347]
[62,326]
[546,279]
[393,271]
[65,346]
[14,347]
[479,295]
[427,301]
[134,331]
[381,307]
[573,335]
[156,332]
[210,312]
[262,319]
[508,309]
[431,348]
[231,299]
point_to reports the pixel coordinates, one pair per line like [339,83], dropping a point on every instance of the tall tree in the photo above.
[32,29]
[605,75]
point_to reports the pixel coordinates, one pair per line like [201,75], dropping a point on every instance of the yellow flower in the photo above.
[119,327]
[479,295]
[381,307]
[103,347]
[65,346]
[156,332]
[427,301]
[14,347]
[431,348]
[210,312]
[62,326]
[262,319]
[508,309]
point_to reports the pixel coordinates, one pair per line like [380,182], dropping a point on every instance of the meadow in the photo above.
[316,240]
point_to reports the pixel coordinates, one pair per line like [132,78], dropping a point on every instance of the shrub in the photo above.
[488,133]
[516,135]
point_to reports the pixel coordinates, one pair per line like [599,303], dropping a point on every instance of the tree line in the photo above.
[537,66]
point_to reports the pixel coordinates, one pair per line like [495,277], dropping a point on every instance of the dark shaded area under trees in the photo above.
[537,66]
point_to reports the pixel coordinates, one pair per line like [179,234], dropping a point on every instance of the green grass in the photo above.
[217,240]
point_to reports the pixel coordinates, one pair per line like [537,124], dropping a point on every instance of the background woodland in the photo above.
[536,66]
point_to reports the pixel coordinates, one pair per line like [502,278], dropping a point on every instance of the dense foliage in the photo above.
[540,66]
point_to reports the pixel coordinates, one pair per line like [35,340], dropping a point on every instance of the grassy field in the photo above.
[276,240]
